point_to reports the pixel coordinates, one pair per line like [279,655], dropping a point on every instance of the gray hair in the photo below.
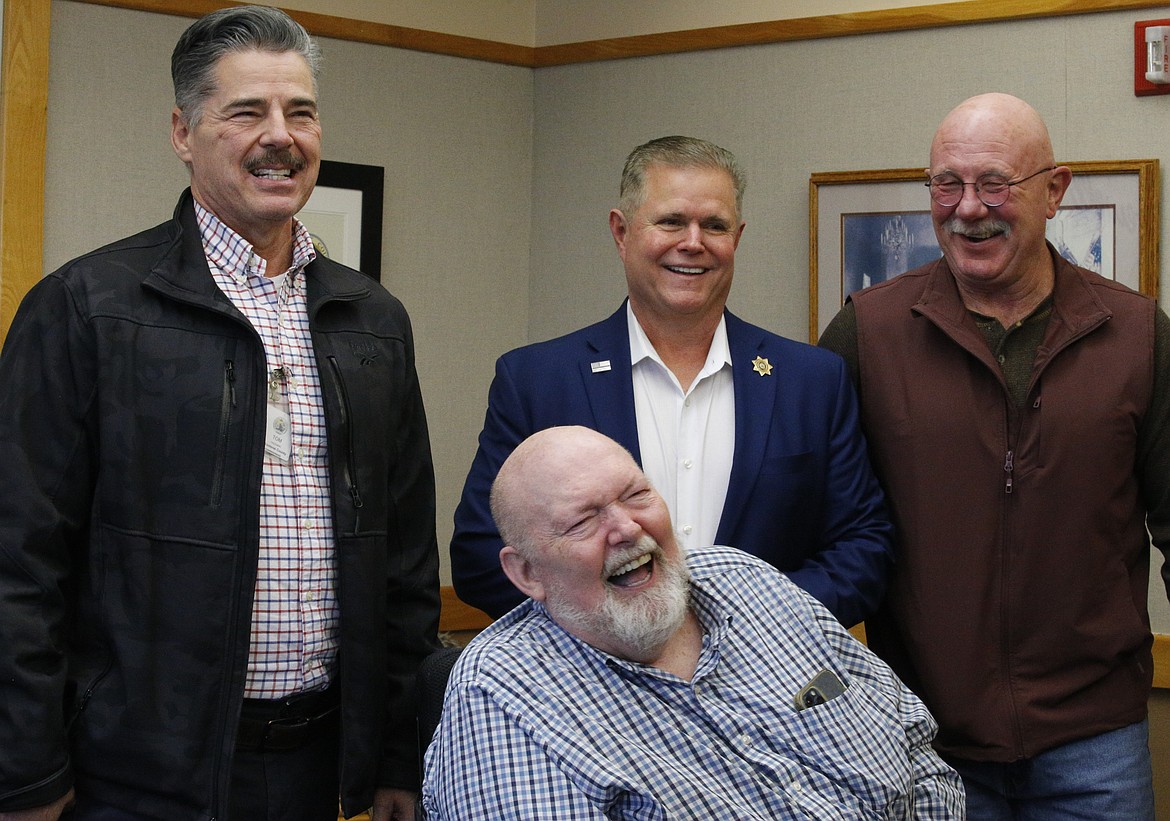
[678,152]
[235,29]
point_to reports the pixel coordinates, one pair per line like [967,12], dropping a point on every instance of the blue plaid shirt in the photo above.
[539,725]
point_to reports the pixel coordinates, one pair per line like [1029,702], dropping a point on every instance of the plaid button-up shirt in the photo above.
[295,612]
[538,724]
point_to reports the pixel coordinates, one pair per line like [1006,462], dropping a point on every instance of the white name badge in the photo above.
[278,437]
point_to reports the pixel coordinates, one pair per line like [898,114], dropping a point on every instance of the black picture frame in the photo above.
[335,178]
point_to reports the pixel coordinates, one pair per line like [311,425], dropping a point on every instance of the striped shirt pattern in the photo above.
[539,725]
[294,613]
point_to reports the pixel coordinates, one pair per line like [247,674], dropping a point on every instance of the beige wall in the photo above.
[505,21]
[549,22]
[572,21]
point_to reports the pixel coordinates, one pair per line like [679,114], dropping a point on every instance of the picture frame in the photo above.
[344,215]
[867,226]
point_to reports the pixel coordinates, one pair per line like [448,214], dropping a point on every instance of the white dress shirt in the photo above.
[687,437]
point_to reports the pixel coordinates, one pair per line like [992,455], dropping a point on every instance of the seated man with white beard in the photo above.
[636,683]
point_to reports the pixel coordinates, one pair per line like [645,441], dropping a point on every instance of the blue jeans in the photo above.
[1104,778]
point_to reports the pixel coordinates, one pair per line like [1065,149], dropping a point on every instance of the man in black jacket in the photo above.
[218,569]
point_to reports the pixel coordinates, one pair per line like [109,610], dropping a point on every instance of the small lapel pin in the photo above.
[762,366]
[600,367]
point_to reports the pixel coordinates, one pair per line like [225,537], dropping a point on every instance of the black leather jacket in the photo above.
[132,417]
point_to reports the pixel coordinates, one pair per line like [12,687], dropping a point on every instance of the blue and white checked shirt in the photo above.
[539,725]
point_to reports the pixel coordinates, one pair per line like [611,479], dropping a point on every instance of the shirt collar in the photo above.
[235,256]
[718,355]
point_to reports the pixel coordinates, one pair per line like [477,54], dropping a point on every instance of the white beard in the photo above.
[639,627]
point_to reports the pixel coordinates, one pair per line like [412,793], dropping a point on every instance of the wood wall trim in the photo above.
[23,118]
[382,34]
[457,616]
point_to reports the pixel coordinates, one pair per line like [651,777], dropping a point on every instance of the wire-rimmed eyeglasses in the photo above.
[993,191]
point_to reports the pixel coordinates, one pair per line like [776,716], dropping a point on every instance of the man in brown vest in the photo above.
[1016,407]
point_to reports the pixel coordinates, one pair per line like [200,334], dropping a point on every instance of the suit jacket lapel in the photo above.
[755,398]
[609,387]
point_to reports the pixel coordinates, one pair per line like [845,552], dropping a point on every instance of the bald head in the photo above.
[997,252]
[550,466]
[988,122]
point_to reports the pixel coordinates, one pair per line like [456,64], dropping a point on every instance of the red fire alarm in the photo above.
[1151,57]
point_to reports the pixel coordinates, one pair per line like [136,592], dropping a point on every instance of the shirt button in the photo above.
[688,529]
[688,463]
[1002,358]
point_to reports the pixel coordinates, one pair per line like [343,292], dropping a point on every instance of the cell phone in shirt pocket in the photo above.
[825,686]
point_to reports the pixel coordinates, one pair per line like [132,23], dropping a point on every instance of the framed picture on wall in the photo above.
[344,215]
[869,226]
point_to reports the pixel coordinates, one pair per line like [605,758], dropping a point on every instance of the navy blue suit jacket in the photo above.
[801,495]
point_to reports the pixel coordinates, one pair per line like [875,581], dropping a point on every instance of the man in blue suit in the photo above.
[753,439]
